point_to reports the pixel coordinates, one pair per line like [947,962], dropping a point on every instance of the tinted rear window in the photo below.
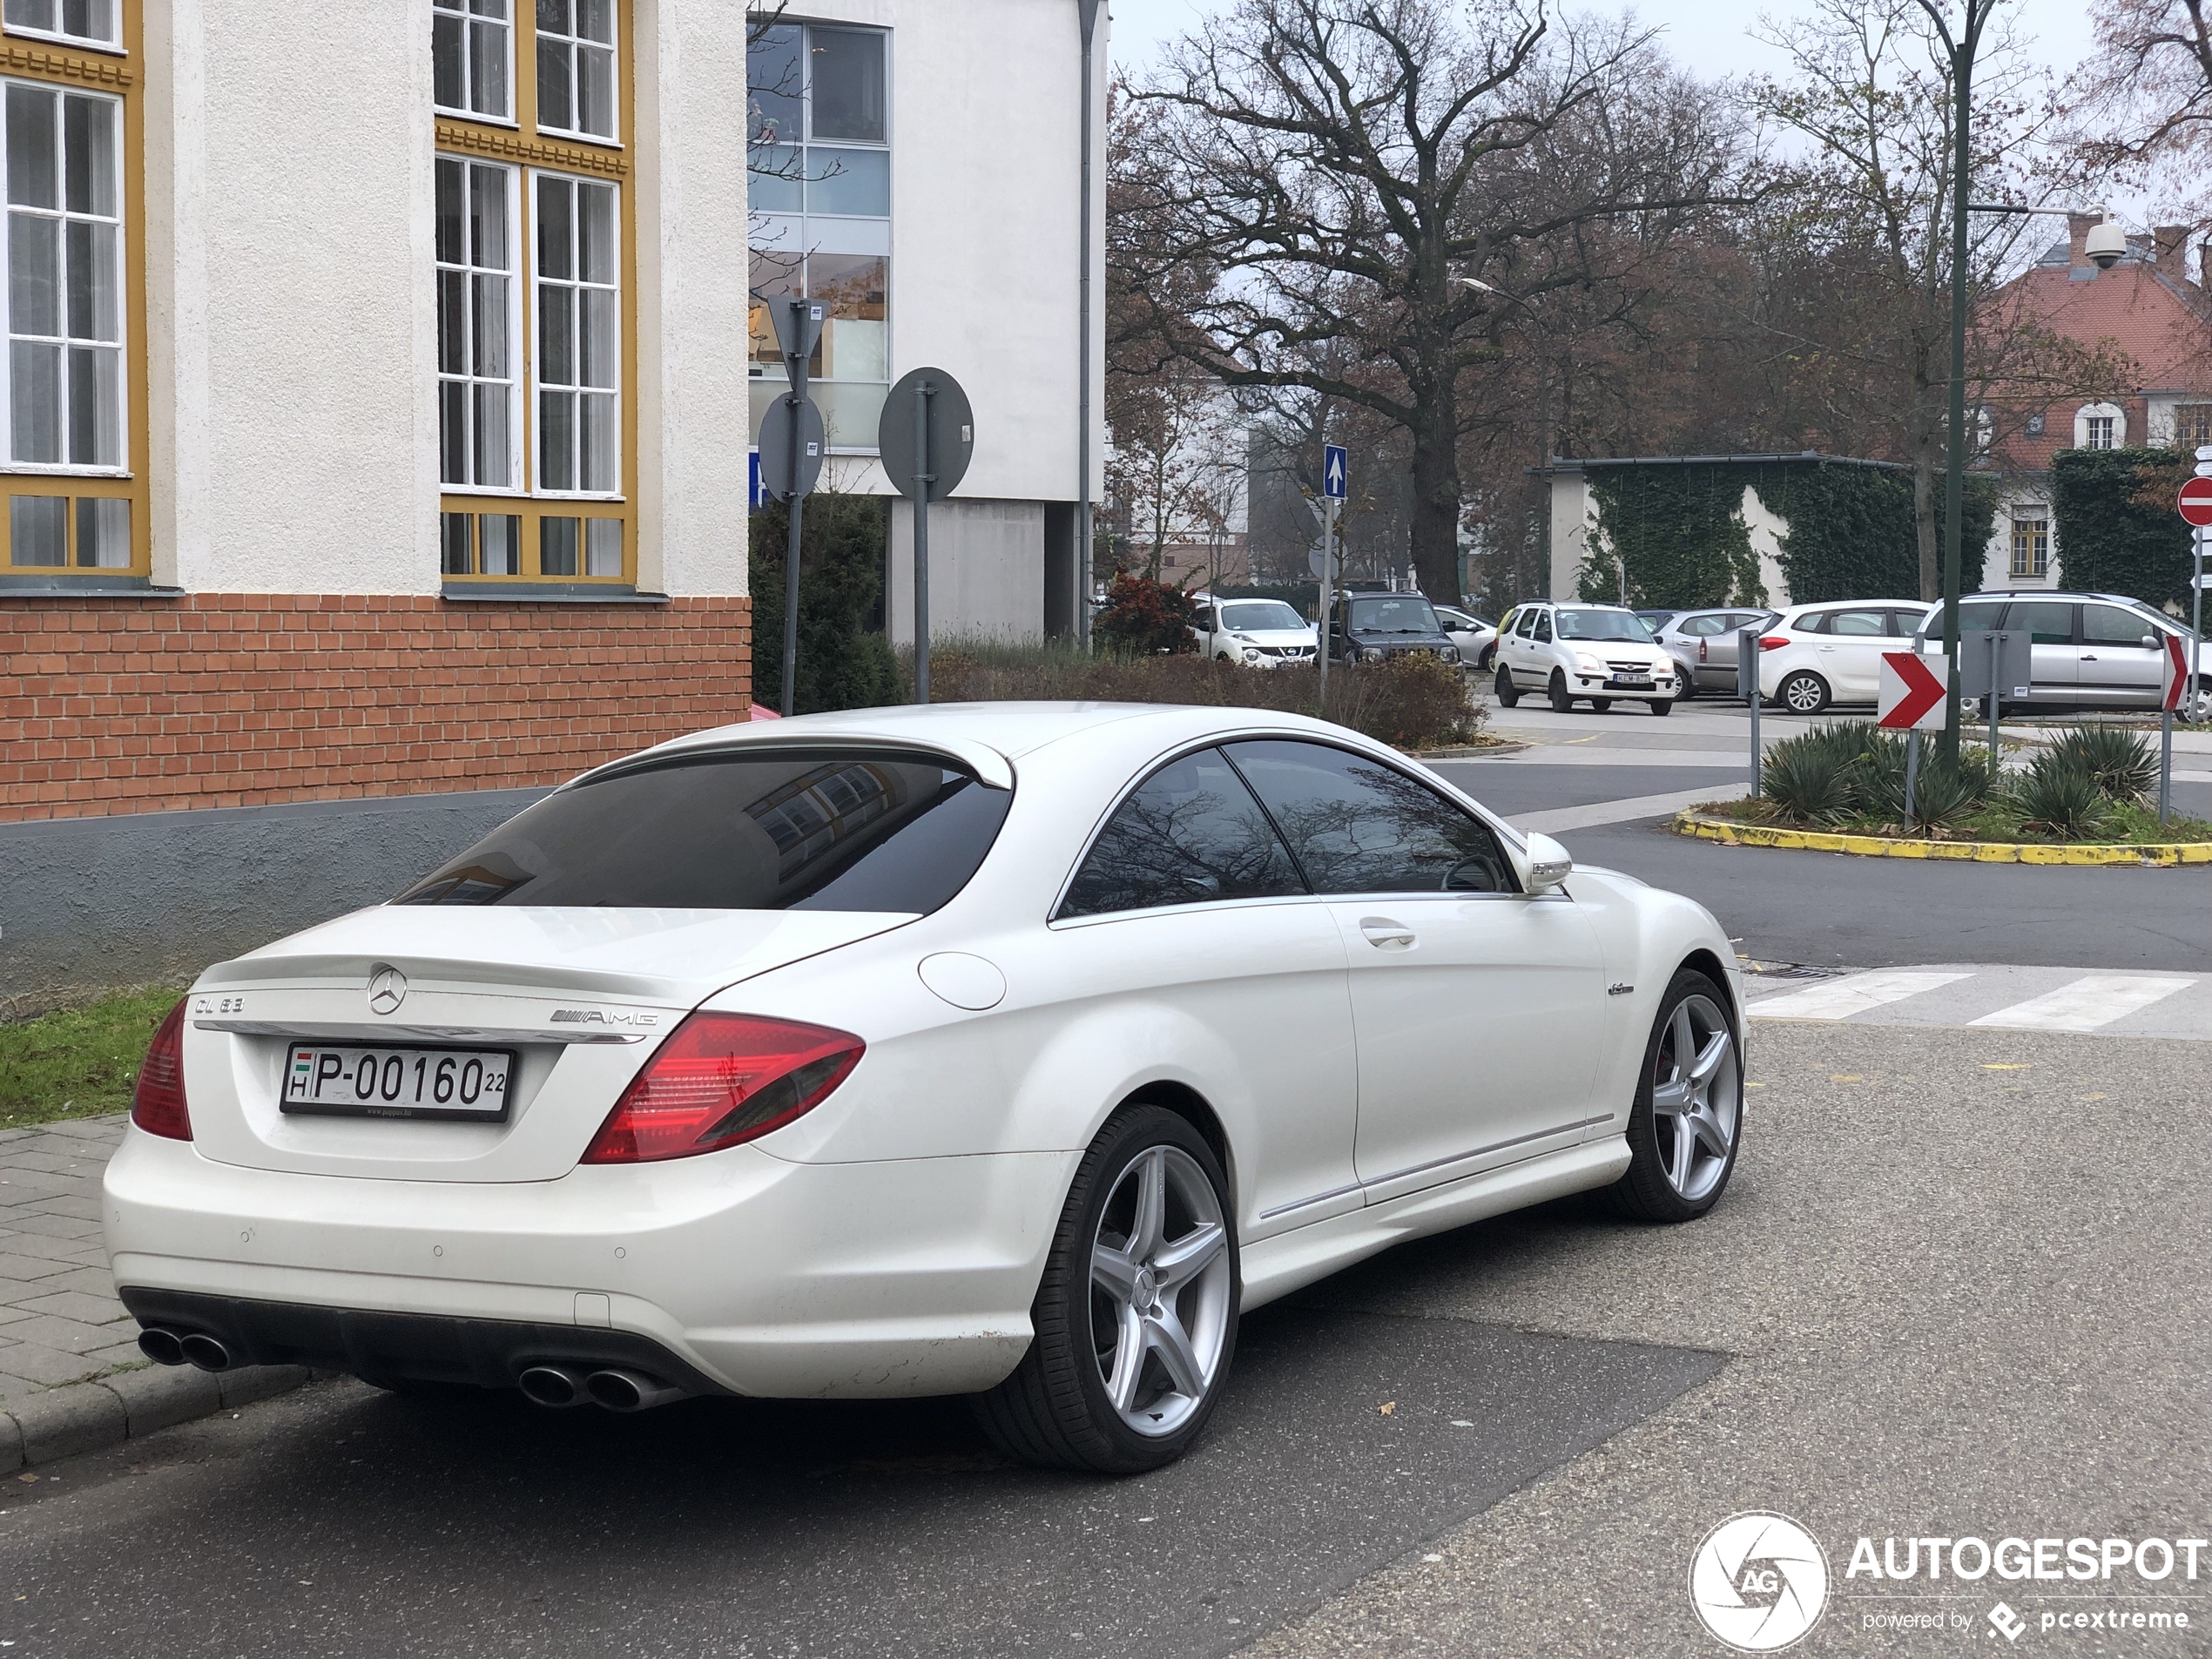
[879,830]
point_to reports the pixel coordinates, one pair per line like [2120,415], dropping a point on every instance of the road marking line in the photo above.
[2085,1004]
[1598,813]
[1839,999]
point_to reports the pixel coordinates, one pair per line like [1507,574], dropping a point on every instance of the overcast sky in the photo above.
[1711,36]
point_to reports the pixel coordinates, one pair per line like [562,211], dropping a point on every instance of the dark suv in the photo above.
[1368,627]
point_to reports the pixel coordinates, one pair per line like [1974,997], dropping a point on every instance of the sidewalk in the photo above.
[59,1320]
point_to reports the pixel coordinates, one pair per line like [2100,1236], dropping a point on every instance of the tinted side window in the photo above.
[1985,617]
[1191,833]
[1698,627]
[752,829]
[1542,632]
[1905,624]
[2047,622]
[2114,625]
[1859,624]
[1815,623]
[1357,825]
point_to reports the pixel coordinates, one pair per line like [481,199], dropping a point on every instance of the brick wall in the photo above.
[130,705]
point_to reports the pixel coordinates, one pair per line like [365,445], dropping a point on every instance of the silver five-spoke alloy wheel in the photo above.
[1697,1097]
[1160,1285]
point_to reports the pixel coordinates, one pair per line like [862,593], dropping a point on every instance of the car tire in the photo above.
[1803,692]
[1669,1179]
[1142,1400]
[1508,693]
[1562,700]
[1482,663]
[1663,704]
[1602,704]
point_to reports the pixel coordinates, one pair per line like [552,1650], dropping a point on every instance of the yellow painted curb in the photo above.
[1732,833]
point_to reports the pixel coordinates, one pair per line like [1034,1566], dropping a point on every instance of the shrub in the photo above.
[845,662]
[1412,702]
[1140,618]
[2120,760]
[2059,795]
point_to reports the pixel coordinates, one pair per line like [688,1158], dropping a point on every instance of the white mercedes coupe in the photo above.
[1004,1049]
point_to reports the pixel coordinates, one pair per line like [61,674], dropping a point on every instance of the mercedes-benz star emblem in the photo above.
[386,990]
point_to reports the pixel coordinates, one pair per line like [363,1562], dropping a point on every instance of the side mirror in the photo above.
[1546,864]
[2151,642]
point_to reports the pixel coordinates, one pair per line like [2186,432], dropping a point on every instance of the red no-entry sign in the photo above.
[2196,501]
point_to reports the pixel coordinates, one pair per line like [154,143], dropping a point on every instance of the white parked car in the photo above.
[1477,640]
[1822,654]
[1601,653]
[1258,633]
[1004,1049]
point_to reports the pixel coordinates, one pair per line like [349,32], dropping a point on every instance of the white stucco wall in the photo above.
[688,190]
[1573,522]
[291,323]
[1766,529]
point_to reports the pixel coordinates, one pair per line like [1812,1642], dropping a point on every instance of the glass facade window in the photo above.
[471,45]
[819,130]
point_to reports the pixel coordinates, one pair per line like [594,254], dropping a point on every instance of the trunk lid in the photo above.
[580,997]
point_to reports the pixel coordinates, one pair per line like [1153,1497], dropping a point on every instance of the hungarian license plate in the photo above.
[1635,682]
[397,1079]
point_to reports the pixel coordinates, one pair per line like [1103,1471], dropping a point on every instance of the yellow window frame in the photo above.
[521,145]
[114,73]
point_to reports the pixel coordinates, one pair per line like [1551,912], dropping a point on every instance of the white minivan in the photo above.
[1831,652]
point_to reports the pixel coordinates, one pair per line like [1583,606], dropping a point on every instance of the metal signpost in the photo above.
[1910,697]
[2178,682]
[925,437]
[1747,687]
[2196,506]
[1336,470]
[792,441]
[2003,661]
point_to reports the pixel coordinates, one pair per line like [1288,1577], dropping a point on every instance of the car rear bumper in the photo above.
[757,1275]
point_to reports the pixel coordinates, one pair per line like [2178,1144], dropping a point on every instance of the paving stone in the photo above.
[70,1251]
[23,1269]
[52,1226]
[66,1422]
[76,1304]
[93,1281]
[82,1208]
[52,1331]
[106,1127]
[27,1363]
[10,1445]
[17,1185]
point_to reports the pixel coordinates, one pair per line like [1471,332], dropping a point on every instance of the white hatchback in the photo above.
[1817,655]
[1011,1050]
[1604,653]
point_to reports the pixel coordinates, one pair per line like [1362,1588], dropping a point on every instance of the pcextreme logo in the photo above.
[1759,1581]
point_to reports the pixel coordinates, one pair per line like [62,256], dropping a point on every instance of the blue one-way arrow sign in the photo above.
[1332,471]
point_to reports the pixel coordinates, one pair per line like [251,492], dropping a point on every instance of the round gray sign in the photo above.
[775,448]
[949,433]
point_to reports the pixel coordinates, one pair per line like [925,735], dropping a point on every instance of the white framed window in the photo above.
[472,56]
[2032,544]
[64,402]
[479,327]
[2100,426]
[83,23]
[576,68]
[577,298]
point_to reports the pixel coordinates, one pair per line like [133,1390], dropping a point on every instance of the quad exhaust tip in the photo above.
[166,1347]
[552,1386]
[161,1346]
[204,1351]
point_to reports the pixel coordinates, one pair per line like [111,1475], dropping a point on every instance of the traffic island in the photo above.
[1716,821]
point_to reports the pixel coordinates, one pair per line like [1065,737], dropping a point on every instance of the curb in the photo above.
[1469,752]
[2150,855]
[77,1417]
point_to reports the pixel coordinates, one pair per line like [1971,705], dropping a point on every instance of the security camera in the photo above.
[2107,244]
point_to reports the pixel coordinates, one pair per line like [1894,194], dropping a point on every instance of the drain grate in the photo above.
[1791,970]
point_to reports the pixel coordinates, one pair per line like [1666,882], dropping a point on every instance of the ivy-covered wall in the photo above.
[2112,515]
[1679,532]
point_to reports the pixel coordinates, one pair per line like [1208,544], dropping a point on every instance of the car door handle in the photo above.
[2087,656]
[1385,934]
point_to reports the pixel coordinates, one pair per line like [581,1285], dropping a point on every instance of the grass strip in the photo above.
[79,1062]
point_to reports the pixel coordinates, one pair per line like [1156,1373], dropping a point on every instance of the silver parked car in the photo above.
[1702,643]
[1477,639]
[2089,651]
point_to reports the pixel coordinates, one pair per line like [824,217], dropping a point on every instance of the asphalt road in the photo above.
[1959,1286]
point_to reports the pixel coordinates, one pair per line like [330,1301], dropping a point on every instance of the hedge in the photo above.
[1679,532]
[2114,523]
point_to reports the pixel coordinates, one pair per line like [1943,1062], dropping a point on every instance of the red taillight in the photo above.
[1773,642]
[1700,651]
[721,1080]
[157,1104]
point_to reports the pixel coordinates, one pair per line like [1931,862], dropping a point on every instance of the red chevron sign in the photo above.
[1911,692]
[2176,667]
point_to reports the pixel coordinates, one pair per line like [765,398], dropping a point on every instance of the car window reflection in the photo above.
[1191,833]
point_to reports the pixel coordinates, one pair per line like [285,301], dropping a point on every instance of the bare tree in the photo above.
[1177,468]
[2141,107]
[1328,171]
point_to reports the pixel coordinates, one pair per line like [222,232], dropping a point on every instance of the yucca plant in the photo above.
[2120,760]
[2057,794]
[1810,780]
[1941,793]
